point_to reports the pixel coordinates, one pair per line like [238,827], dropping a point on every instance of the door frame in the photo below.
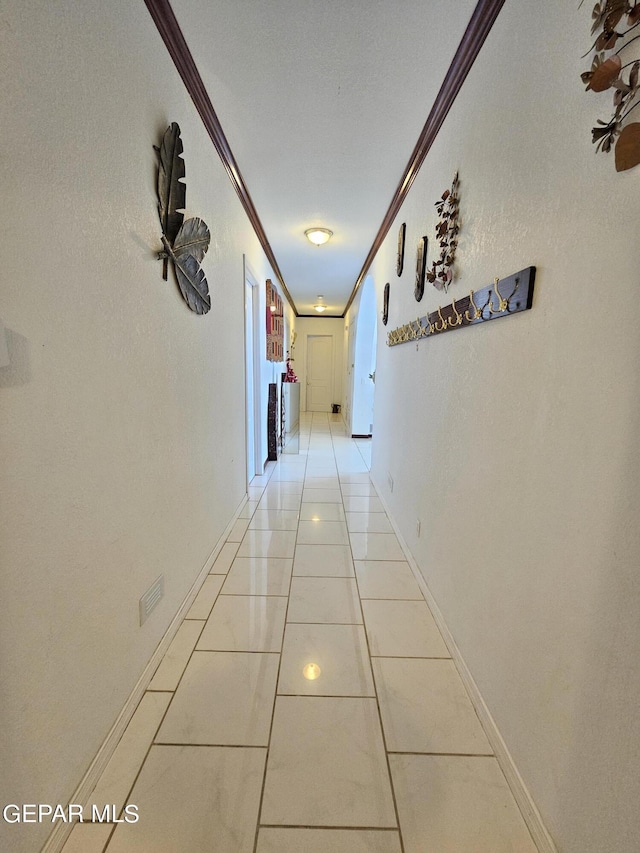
[252,370]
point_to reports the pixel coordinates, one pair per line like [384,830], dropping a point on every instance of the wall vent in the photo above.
[151,598]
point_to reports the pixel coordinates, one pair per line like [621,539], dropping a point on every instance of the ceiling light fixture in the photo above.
[311,671]
[318,236]
[320,306]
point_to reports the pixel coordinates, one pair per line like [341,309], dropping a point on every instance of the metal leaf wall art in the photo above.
[448,206]
[613,21]
[185,242]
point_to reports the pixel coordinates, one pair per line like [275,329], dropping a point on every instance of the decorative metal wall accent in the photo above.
[441,273]
[421,268]
[402,233]
[185,243]
[385,304]
[503,298]
[613,21]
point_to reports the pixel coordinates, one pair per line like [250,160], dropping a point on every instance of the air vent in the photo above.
[151,598]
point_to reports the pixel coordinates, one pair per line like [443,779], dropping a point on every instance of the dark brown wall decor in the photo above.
[402,233]
[421,268]
[504,297]
[385,304]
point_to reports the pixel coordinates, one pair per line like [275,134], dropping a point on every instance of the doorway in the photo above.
[363,362]
[252,376]
[319,373]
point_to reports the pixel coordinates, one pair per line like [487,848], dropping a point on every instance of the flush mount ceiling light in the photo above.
[318,236]
[320,306]
[311,671]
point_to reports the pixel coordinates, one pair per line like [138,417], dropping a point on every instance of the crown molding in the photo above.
[482,19]
[171,34]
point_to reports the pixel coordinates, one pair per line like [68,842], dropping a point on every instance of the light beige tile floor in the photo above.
[308,703]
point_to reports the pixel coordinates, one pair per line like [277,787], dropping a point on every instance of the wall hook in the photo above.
[515,287]
[458,321]
[477,314]
[503,303]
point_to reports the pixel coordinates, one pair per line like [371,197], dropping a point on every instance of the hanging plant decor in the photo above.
[613,20]
[185,242]
[441,273]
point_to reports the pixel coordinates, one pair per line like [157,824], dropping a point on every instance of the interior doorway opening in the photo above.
[363,360]
[253,420]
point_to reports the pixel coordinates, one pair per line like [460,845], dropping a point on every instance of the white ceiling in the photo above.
[322,102]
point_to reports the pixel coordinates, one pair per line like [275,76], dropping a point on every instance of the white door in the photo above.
[319,373]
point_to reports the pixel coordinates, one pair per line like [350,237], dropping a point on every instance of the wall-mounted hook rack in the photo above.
[479,306]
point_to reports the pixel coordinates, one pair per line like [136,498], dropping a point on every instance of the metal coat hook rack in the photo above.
[506,296]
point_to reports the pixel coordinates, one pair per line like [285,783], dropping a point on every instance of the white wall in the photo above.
[122,449]
[332,326]
[516,442]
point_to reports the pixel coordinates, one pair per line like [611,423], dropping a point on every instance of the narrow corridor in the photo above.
[308,703]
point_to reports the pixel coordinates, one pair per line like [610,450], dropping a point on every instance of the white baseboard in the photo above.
[521,795]
[57,839]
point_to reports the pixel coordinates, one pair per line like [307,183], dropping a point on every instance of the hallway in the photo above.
[308,703]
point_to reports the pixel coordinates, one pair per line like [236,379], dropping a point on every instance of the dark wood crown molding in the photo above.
[169,29]
[483,18]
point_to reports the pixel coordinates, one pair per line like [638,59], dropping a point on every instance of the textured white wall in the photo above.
[516,443]
[121,455]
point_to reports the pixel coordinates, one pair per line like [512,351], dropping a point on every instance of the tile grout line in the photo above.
[443,754]
[215,745]
[330,828]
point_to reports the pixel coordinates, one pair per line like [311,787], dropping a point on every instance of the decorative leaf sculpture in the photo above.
[441,273]
[605,74]
[628,148]
[191,280]
[192,239]
[172,192]
[185,242]
[608,73]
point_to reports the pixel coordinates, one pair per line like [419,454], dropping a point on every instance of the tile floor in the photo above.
[308,703]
